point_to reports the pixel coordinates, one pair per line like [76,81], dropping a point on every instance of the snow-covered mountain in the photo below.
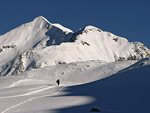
[98,71]
[40,43]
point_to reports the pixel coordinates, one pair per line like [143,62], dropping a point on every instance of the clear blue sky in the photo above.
[126,18]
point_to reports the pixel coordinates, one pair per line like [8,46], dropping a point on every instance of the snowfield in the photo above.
[81,88]
[37,91]
[98,71]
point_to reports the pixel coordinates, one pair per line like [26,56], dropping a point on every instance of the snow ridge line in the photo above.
[28,100]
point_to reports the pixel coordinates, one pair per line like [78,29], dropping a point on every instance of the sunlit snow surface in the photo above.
[96,69]
[40,43]
[36,90]
[81,88]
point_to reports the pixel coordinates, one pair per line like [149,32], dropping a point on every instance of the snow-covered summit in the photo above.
[40,43]
[110,46]
[41,18]
[90,28]
[38,33]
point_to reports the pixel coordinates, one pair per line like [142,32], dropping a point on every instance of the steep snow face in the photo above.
[91,43]
[39,44]
[37,34]
[110,47]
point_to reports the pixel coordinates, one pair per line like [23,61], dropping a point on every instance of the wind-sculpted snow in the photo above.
[40,43]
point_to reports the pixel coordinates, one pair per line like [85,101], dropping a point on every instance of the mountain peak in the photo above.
[90,27]
[87,29]
[41,19]
[41,43]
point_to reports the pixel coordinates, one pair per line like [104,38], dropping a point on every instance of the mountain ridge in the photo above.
[40,43]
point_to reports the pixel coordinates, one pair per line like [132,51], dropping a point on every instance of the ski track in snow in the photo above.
[29,93]
[30,99]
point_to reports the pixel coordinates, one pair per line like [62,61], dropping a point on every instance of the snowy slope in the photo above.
[37,34]
[40,52]
[110,47]
[123,92]
[39,44]
[21,94]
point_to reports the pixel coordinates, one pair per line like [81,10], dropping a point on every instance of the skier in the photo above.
[58,82]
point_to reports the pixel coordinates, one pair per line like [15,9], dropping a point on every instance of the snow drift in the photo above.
[40,43]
